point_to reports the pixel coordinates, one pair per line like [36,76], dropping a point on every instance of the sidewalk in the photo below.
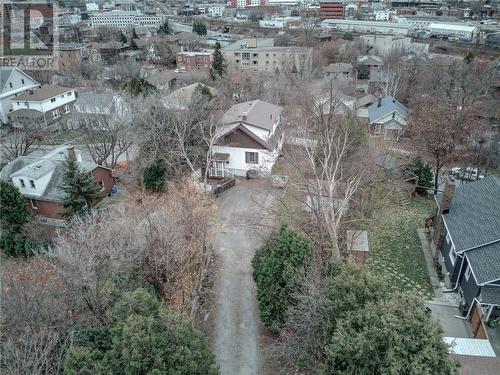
[429,261]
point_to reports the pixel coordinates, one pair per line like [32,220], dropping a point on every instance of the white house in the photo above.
[13,82]
[251,137]
[388,117]
[48,101]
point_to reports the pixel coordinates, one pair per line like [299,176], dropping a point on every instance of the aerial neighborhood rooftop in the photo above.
[250,187]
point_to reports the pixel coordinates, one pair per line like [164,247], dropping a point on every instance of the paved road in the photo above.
[239,343]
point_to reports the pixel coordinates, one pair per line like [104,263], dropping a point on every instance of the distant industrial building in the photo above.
[453,30]
[262,56]
[423,22]
[373,27]
[331,9]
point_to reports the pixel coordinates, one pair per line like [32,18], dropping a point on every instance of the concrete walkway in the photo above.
[429,261]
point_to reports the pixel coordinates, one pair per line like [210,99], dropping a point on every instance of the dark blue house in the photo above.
[469,239]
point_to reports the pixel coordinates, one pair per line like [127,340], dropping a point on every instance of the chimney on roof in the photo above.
[244,116]
[379,102]
[71,153]
[449,190]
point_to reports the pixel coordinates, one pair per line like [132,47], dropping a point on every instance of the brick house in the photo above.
[39,179]
[194,61]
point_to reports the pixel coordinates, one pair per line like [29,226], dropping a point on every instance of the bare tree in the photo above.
[324,177]
[438,130]
[180,137]
[21,142]
[106,131]
[393,75]
[309,18]
[35,311]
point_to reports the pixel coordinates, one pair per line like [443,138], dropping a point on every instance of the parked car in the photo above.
[467,174]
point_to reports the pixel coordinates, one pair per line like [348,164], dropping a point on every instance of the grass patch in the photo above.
[60,136]
[394,244]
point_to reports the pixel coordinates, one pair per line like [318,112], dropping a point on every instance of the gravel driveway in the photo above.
[239,343]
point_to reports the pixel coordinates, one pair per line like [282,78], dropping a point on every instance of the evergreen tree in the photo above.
[423,171]
[134,34]
[14,211]
[392,336]
[133,45]
[80,189]
[277,268]
[218,63]
[153,177]
[164,29]
[123,37]
[143,337]
[200,28]
[137,86]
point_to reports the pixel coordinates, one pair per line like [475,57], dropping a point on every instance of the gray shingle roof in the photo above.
[485,262]
[260,114]
[490,295]
[4,76]
[474,215]
[54,163]
[388,105]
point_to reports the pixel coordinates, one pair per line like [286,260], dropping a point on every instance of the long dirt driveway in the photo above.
[239,344]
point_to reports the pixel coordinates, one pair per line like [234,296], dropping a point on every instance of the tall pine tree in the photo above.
[164,29]
[218,63]
[80,189]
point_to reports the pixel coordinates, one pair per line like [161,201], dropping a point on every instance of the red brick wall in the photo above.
[103,174]
[194,63]
[53,210]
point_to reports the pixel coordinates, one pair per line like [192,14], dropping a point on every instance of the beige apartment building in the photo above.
[261,55]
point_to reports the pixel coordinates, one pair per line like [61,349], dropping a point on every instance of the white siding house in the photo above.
[13,82]
[251,137]
[51,102]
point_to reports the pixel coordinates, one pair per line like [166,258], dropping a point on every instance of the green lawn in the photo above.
[394,245]
[61,136]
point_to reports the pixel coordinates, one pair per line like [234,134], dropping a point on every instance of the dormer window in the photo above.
[32,184]
[22,183]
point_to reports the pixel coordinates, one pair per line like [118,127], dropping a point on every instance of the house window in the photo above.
[378,129]
[453,255]
[101,185]
[251,157]
[69,94]
[22,81]
[55,114]
[27,104]
[10,84]
[468,271]
[32,184]
[66,109]
[33,204]
[22,183]
[52,100]
[245,55]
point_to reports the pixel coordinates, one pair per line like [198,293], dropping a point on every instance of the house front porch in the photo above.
[218,167]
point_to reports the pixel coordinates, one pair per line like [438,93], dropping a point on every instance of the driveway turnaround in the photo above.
[238,332]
